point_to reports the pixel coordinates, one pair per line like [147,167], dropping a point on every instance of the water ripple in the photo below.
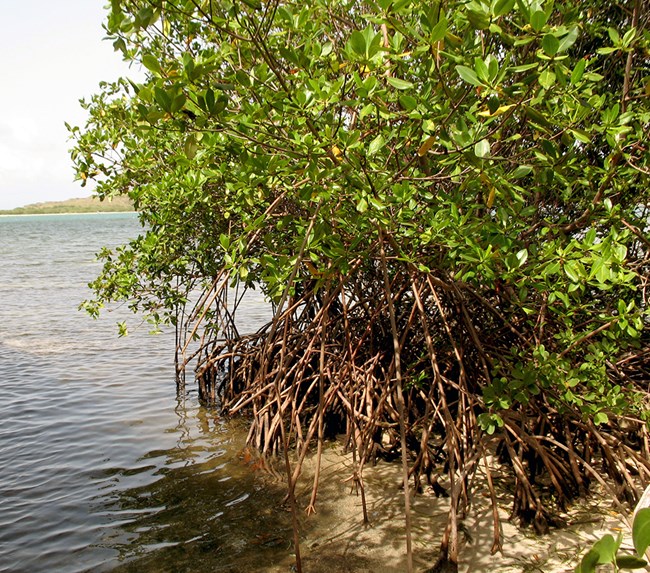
[102,468]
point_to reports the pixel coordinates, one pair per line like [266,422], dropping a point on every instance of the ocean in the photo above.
[102,466]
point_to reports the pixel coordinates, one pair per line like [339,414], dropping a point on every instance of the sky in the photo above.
[52,53]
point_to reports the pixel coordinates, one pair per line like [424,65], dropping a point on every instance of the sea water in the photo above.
[102,466]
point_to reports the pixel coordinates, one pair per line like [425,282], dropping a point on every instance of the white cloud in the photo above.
[53,55]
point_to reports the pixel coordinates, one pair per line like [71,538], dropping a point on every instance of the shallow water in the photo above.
[102,466]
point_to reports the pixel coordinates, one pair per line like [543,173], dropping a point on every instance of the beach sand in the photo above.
[335,540]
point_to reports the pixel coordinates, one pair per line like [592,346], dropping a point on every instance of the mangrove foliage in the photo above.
[447,205]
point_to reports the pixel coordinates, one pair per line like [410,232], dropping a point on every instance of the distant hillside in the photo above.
[81,205]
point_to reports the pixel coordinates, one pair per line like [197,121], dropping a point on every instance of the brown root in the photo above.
[397,361]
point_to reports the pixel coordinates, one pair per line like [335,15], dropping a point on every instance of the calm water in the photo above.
[102,467]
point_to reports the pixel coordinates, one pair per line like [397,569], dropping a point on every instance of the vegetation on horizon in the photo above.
[447,204]
[80,205]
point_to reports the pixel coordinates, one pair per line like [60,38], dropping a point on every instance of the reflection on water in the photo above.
[101,467]
[203,508]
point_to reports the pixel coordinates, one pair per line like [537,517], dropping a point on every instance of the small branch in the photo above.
[586,337]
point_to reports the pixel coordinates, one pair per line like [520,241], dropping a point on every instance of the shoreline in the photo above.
[73,206]
[68,213]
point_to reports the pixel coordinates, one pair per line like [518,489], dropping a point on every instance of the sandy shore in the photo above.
[334,540]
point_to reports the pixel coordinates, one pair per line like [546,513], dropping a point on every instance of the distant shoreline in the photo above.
[79,206]
[8,214]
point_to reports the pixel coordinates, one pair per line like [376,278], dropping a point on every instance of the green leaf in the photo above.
[177,103]
[608,547]
[399,84]
[628,37]
[493,67]
[521,171]
[641,530]
[255,4]
[481,69]
[630,562]
[574,270]
[122,329]
[580,135]
[119,45]
[358,43]
[375,145]
[547,79]
[568,40]
[144,17]
[524,68]
[209,100]
[538,20]
[503,7]
[408,102]
[439,31]
[601,418]
[524,7]
[493,104]
[603,551]
[564,298]
[550,45]
[522,256]
[469,75]
[373,41]
[163,99]
[191,146]
[578,71]
[151,63]
[482,149]
[589,562]
[478,19]
[614,36]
